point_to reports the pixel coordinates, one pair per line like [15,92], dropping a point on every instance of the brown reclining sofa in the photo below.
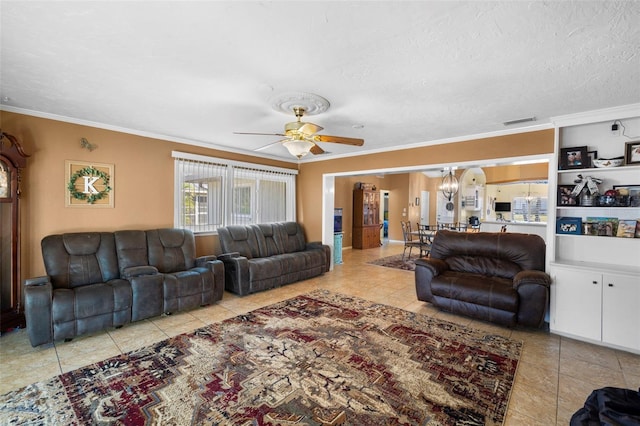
[496,277]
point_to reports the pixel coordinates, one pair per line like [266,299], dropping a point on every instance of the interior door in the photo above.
[424,208]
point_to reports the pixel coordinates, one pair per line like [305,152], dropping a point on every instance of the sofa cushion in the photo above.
[131,247]
[312,258]
[484,266]
[78,259]
[90,308]
[292,237]
[481,290]
[264,268]
[171,249]
[239,239]
[269,239]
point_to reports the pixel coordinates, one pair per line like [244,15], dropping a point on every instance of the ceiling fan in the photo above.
[301,138]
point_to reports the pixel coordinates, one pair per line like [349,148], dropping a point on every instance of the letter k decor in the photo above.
[89,184]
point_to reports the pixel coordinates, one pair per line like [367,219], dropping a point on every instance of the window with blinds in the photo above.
[212,192]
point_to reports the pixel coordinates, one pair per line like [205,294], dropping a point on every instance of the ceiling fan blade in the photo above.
[315,149]
[270,145]
[338,139]
[262,134]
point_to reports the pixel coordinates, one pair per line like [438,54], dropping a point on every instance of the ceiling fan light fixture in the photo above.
[298,147]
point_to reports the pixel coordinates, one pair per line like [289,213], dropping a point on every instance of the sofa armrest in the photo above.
[37,280]
[38,295]
[317,245]
[137,271]
[533,293]
[202,260]
[426,270]
[217,267]
[228,256]
[236,273]
[435,266]
[531,277]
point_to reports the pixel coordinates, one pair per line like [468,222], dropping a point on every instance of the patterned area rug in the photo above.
[316,359]
[396,261]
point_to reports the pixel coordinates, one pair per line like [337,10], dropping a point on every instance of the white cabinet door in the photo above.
[621,310]
[578,304]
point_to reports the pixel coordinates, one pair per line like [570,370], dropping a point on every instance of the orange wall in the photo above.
[504,174]
[143,178]
[397,184]
[142,182]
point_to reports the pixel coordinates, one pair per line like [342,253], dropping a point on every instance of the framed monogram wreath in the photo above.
[89,184]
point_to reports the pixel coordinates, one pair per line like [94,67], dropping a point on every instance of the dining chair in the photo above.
[425,235]
[409,242]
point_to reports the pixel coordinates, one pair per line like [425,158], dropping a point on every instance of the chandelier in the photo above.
[449,185]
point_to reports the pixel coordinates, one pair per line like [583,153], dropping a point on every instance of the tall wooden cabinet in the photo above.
[366,219]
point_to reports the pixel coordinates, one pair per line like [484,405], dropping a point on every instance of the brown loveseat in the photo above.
[264,256]
[97,280]
[497,277]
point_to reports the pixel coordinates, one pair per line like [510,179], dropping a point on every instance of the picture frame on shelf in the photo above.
[626,229]
[632,153]
[604,226]
[592,155]
[569,225]
[565,198]
[633,191]
[574,158]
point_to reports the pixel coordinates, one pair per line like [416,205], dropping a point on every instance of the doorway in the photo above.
[384,216]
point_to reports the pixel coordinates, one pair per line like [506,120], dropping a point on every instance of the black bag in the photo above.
[609,406]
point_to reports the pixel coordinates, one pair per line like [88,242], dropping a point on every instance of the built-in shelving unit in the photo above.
[595,293]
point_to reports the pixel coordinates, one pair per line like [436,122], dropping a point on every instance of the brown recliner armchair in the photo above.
[497,277]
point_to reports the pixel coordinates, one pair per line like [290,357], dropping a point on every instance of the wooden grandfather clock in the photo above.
[12,161]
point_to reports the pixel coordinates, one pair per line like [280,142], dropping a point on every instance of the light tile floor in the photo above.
[554,377]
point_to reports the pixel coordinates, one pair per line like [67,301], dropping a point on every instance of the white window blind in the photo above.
[212,192]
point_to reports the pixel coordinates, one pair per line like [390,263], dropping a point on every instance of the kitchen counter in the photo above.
[538,228]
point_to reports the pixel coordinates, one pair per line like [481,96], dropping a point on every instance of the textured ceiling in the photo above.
[409,72]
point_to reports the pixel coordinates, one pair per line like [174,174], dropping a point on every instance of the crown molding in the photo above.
[192,142]
[595,116]
[465,138]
